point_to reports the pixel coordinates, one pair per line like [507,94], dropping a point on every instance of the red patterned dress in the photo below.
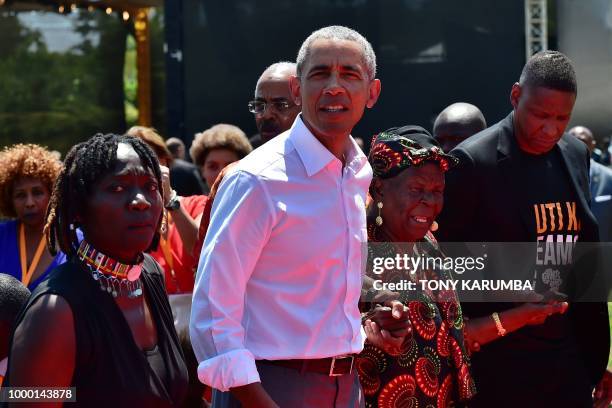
[432,367]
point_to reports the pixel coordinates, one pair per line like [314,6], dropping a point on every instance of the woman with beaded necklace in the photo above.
[104,315]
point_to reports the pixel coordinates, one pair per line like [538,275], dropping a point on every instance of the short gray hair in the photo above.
[338,33]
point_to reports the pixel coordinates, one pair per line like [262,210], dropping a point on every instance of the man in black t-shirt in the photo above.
[524,180]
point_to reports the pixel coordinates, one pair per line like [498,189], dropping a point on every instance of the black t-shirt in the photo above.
[542,359]
[551,204]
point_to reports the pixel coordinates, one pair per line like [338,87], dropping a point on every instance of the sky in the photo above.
[57,29]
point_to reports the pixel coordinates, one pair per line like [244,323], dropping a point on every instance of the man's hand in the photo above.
[538,307]
[537,313]
[166,187]
[384,296]
[372,295]
[393,318]
[382,339]
[603,392]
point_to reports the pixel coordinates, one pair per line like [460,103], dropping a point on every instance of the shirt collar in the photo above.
[356,159]
[315,156]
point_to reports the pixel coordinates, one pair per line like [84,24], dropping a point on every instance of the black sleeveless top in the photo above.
[110,369]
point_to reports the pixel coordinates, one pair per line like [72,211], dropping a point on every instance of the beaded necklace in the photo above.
[114,277]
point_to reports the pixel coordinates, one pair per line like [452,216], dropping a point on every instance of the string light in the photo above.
[126,16]
[61,9]
[73,7]
[109,11]
[90,8]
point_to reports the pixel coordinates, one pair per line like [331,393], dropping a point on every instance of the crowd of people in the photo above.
[239,278]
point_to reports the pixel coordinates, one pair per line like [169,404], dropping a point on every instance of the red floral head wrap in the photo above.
[396,149]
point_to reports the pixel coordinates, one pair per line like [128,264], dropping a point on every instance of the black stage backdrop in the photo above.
[430,53]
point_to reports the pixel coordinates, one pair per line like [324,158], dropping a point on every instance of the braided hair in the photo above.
[85,165]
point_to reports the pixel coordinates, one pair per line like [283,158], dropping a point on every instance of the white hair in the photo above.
[338,33]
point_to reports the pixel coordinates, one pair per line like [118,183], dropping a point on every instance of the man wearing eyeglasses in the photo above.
[273,107]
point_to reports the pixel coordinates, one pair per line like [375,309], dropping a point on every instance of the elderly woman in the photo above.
[431,368]
[26,180]
[104,315]
[217,147]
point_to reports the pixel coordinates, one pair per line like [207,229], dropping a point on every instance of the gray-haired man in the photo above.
[275,317]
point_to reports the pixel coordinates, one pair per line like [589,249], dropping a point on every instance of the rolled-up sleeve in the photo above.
[241,221]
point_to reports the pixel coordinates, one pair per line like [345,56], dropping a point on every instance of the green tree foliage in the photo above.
[58,99]
[130,82]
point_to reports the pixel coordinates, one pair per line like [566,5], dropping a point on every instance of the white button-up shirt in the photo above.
[280,271]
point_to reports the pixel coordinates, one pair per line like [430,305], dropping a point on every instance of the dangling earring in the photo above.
[434,226]
[379,220]
[164,224]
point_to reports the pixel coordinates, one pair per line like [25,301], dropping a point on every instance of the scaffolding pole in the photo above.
[536,27]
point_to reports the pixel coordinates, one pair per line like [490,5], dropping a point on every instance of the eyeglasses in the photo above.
[259,107]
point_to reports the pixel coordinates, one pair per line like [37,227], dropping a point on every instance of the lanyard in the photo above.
[165,247]
[26,275]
